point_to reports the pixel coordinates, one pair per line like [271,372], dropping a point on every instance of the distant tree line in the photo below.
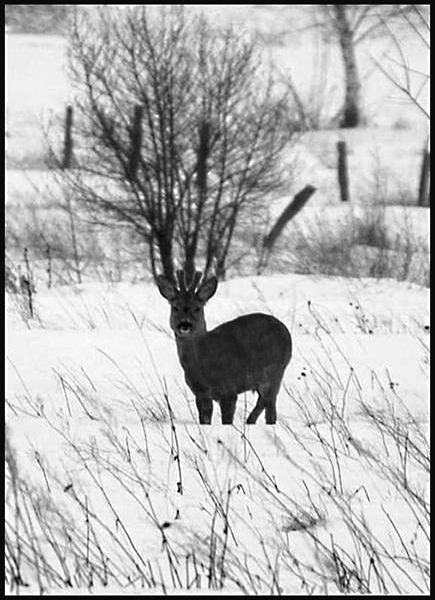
[37,18]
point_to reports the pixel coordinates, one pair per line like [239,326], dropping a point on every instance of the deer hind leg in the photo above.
[228,408]
[256,412]
[270,395]
[266,401]
[204,404]
[271,411]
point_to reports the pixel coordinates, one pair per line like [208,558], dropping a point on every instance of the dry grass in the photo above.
[150,501]
[358,244]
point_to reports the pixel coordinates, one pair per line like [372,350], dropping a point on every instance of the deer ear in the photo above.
[166,288]
[207,289]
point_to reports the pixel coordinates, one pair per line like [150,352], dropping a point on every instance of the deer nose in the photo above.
[184,327]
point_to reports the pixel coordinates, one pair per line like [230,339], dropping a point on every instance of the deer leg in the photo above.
[270,402]
[266,401]
[204,404]
[228,408]
[256,412]
[271,412]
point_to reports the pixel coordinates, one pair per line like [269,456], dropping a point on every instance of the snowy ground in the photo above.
[113,488]
[116,470]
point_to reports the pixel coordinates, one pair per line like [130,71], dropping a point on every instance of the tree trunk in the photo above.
[191,245]
[352,100]
[164,245]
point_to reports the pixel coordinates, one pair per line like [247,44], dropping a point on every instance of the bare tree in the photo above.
[349,25]
[411,82]
[177,129]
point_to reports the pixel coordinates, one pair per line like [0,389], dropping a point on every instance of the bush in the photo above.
[354,242]
[178,129]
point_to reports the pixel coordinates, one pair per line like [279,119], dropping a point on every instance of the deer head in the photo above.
[187,301]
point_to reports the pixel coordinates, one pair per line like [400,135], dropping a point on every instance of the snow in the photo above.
[113,488]
[87,393]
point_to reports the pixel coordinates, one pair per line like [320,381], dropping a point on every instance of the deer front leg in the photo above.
[228,408]
[204,404]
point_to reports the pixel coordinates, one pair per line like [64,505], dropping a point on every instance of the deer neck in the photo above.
[187,348]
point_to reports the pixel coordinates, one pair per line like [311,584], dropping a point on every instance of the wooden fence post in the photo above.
[343,178]
[423,188]
[49,266]
[298,202]
[136,141]
[68,141]
[27,283]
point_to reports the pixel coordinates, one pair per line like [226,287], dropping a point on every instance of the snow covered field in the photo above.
[123,488]
[113,488]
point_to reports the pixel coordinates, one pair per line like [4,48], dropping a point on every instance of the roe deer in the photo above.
[250,352]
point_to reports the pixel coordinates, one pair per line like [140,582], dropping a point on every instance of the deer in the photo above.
[249,353]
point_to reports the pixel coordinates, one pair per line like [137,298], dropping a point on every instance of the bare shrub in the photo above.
[60,239]
[177,130]
[357,244]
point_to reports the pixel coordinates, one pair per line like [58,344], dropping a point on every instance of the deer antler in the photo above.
[195,280]
[181,278]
